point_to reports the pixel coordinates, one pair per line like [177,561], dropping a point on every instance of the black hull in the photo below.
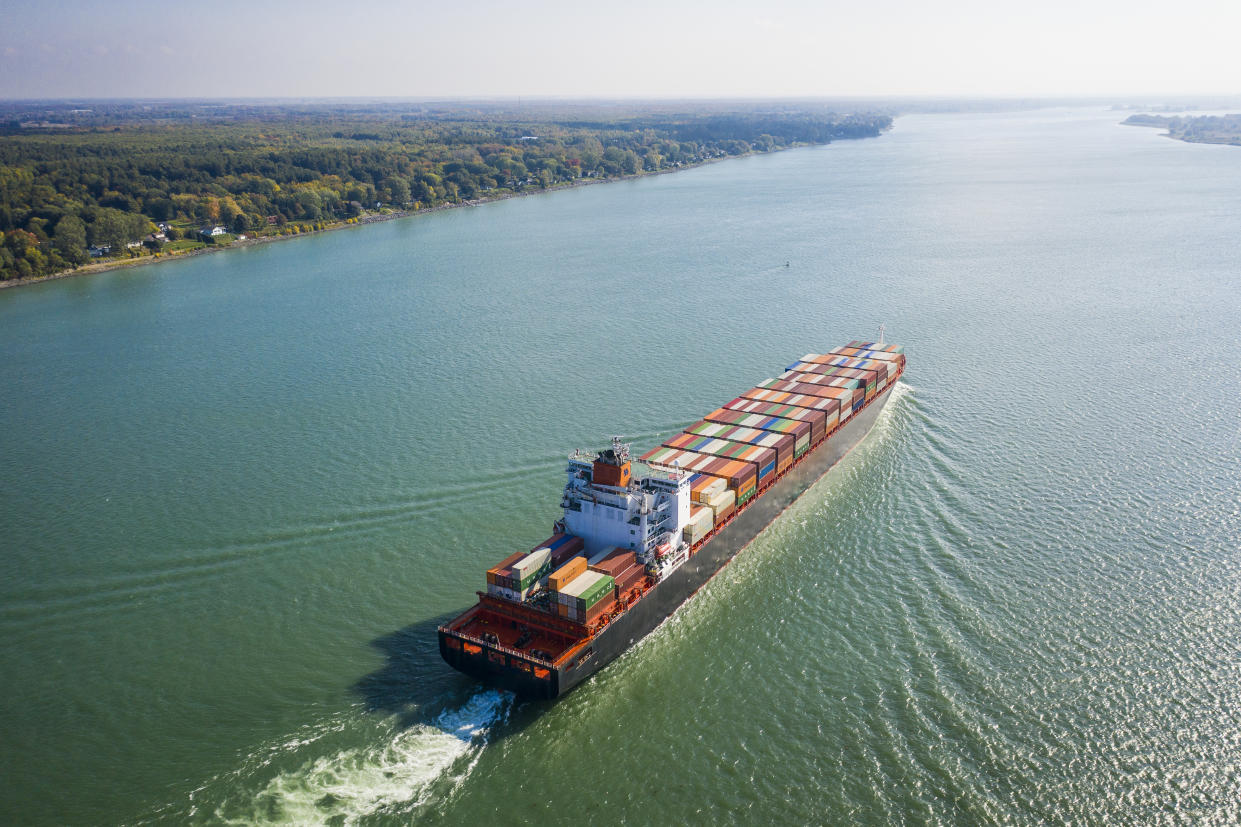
[664,599]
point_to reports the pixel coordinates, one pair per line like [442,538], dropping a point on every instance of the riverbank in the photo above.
[368,218]
[1197,129]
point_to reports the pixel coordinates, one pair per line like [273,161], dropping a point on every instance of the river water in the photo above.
[238,493]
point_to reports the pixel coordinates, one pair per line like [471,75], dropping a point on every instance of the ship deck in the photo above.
[512,635]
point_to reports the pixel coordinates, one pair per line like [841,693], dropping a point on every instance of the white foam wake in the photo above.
[399,773]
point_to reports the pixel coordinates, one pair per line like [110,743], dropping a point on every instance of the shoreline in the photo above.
[377,218]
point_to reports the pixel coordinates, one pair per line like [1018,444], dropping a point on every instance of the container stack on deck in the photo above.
[733,454]
[737,450]
[518,576]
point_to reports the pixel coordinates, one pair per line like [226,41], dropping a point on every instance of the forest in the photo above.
[99,180]
[1201,129]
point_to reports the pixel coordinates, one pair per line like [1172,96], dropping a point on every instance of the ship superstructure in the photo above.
[627,550]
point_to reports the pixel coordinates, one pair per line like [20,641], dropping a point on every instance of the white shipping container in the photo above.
[712,488]
[511,594]
[599,555]
[722,500]
[701,520]
[531,562]
[581,583]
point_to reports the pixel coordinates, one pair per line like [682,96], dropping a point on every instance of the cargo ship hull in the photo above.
[665,597]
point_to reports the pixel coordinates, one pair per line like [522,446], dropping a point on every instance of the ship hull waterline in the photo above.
[667,596]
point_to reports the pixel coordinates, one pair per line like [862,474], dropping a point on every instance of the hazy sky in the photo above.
[647,48]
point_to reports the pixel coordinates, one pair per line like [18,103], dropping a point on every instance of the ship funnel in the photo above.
[612,467]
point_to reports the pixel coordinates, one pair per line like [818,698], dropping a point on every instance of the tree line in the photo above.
[76,181]
[1204,129]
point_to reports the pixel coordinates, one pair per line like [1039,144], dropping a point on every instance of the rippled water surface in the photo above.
[238,493]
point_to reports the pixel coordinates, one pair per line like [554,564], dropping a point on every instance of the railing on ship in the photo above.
[498,647]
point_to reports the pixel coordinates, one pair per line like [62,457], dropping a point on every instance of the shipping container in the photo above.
[594,612]
[872,371]
[897,359]
[562,547]
[824,375]
[763,459]
[869,379]
[877,346]
[734,413]
[783,419]
[528,570]
[629,579]
[703,486]
[503,567]
[782,444]
[722,506]
[806,389]
[586,590]
[823,408]
[565,574]
[613,560]
[740,475]
[701,521]
[881,368]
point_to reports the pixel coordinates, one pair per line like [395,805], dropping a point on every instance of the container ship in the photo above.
[630,549]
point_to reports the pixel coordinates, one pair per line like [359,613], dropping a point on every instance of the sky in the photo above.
[641,49]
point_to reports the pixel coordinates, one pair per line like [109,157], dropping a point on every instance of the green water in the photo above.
[237,493]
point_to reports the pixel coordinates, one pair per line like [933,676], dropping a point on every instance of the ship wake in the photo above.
[397,775]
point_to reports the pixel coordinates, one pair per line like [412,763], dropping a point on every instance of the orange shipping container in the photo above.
[503,566]
[561,576]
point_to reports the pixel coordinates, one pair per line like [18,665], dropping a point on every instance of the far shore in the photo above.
[367,218]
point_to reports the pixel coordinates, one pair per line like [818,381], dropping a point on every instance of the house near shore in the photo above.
[212,231]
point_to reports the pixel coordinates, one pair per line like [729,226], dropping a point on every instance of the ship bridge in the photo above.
[606,506]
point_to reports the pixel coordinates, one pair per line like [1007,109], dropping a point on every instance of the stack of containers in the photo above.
[517,576]
[788,419]
[840,377]
[870,381]
[798,424]
[622,566]
[894,350]
[858,396]
[564,575]
[782,444]
[764,459]
[864,365]
[722,506]
[586,596]
[701,521]
[502,569]
[892,362]
[825,375]
[741,476]
[521,578]
[704,486]
[838,404]
[874,373]
[897,358]
[562,547]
